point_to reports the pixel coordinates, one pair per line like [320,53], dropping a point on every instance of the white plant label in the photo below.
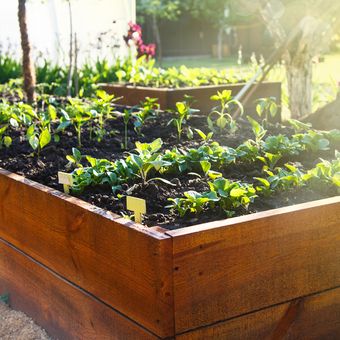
[66,180]
[137,205]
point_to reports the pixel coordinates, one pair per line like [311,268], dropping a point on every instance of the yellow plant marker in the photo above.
[66,180]
[137,205]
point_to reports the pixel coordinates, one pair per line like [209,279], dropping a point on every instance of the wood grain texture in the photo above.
[314,317]
[65,311]
[167,97]
[254,262]
[125,265]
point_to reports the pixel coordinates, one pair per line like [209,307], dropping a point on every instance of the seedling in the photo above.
[183,114]
[148,158]
[146,111]
[270,160]
[102,110]
[4,140]
[266,108]
[76,114]
[208,173]
[258,131]
[66,180]
[222,118]
[205,137]
[38,137]
[137,205]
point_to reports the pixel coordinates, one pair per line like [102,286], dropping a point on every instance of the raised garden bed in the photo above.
[133,95]
[83,272]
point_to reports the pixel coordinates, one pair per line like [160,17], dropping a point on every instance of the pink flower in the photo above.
[134,38]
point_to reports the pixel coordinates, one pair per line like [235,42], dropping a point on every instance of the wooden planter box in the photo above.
[133,95]
[84,273]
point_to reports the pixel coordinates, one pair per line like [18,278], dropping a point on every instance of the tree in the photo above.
[220,13]
[27,64]
[314,21]
[217,12]
[157,10]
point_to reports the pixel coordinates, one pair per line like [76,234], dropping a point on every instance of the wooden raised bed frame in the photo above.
[84,273]
[167,97]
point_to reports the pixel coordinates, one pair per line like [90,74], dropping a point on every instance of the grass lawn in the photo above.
[326,74]
[200,62]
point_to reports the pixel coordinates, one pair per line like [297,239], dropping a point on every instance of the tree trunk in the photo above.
[299,78]
[220,43]
[75,72]
[157,36]
[27,64]
[69,75]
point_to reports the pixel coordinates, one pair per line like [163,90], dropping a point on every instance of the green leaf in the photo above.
[215,97]
[14,122]
[201,134]
[181,108]
[237,192]
[291,167]
[263,181]
[156,145]
[336,179]
[30,131]
[115,188]
[190,134]
[113,177]
[221,122]
[259,109]
[7,141]
[212,196]
[159,163]
[91,160]
[34,142]
[323,144]
[63,125]
[214,174]
[52,112]
[44,138]
[3,129]
[120,75]
[56,138]
[273,109]
[206,166]
[76,154]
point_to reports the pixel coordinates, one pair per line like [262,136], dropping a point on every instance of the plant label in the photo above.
[66,180]
[137,205]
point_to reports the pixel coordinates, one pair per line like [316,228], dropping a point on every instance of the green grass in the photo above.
[200,62]
[326,75]
[324,72]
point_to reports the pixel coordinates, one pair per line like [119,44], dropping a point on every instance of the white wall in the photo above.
[48,25]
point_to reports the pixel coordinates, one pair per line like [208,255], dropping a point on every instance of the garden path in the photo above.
[16,325]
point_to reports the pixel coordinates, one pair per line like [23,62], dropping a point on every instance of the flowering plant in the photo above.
[134,38]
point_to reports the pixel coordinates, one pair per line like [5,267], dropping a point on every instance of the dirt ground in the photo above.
[17,326]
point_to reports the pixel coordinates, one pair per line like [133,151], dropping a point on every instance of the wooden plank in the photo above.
[314,317]
[254,262]
[65,311]
[122,263]
[167,97]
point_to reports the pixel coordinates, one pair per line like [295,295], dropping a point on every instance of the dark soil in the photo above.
[19,159]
